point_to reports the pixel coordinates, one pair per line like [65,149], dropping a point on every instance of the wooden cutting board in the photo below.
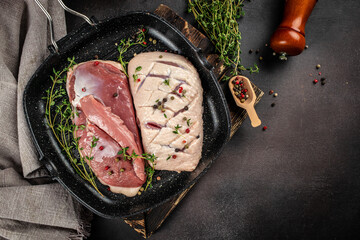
[147,223]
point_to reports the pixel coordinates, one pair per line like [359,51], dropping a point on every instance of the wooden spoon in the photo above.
[248,105]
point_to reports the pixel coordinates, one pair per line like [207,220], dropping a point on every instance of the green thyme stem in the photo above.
[219,21]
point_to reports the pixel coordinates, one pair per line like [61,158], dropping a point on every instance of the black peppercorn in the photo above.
[186,108]
[177,150]
[159,103]
[115,95]
[155,106]
[165,100]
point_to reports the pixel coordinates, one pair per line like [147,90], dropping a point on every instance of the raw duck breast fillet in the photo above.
[168,100]
[99,92]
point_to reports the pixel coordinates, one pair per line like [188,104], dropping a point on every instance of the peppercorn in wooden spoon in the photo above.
[245,97]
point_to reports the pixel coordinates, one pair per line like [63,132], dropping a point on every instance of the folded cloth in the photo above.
[32,205]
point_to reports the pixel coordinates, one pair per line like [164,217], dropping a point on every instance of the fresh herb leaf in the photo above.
[135,77]
[165,115]
[59,115]
[138,69]
[167,81]
[188,122]
[125,44]
[177,129]
[219,21]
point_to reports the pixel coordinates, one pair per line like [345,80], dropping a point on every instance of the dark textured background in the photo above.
[300,179]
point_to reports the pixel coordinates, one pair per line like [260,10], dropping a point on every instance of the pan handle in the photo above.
[88,20]
[51,25]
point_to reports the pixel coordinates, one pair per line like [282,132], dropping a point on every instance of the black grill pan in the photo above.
[84,44]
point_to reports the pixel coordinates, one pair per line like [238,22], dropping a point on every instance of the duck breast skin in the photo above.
[168,97]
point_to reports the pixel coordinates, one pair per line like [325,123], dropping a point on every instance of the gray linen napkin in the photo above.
[31,205]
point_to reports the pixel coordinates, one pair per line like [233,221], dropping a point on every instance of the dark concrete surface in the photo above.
[299,179]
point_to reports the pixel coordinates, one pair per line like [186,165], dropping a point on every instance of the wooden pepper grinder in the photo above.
[289,37]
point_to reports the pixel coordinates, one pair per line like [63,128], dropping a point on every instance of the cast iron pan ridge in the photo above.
[86,42]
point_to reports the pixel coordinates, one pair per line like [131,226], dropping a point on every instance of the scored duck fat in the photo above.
[169,91]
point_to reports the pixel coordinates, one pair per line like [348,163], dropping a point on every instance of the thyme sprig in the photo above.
[219,21]
[125,44]
[150,169]
[59,114]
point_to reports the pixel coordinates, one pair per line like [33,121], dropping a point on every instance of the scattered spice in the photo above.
[264,128]
[318,66]
[101,148]
[107,168]
[306,46]
[158,178]
[275,94]
[261,58]
[115,94]
[315,81]
[250,51]
[108,188]
[174,156]
[274,53]
[138,80]
[180,89]
[323,81]
[139,193]
[186,108]
[161,56]
[122,169]
[144,43]
[273,105]
[257,51]
[184,141]
[110,173]
[96,63]
[187,130]
[271,92]
[319,73]
[83,89]
[172,97]
[177,150]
